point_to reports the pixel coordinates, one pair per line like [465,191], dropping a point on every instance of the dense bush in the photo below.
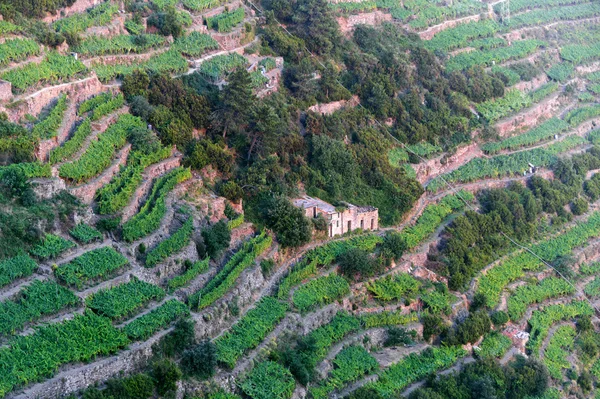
[357,263]
[288,222]
[201,360]
[216,238]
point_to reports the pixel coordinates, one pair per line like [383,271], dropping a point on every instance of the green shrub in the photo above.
[51,246]
[166,374]
[269,380]
[201,360]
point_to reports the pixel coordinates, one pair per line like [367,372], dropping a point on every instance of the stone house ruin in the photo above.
[340,220]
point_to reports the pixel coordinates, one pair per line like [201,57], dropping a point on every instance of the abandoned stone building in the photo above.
[340,220]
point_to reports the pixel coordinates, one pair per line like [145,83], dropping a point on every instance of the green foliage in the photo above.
[544,16]
[501,165]
[199,5]
[433,216]
[542,320]
[526,295]
[51,246]
[17,50]
[268,63]
[170,61]
[226,278]
[216,238]
[543,92]
[424,149]
[258,80]
[288,222]
[40,298]
[179,240]
[108,107]
[511,77]
[47,128]
[201,360]
[134,27]
[195,270]
[52,69]
[493,345]
[544,131]
[100,153]
[39,355]
[561,72]
[385,319]
[513,100]
[592,288]
[147,325]
[460,35]
[513,268]
[320,291]
[217,67]
[555,355]
[15,268]
[414,367]
[121,44]
[486,58]
[85,233]
[100,263]
[124,300]
[226,21]
[577,116]
[437,301]
[235,223]
[73,144]
[116,195]
[8,27]
[396,287]
[195,44]
[323,256]
[590,269]
[350,364]
[358,264]
[166,374]
[250,330]
[269,380]
[151,213]
[97,16]
[397,156]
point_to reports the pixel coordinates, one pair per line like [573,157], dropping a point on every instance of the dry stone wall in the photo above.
[75,378]
[330,108]
[347,24]
[35,103]
[530,117]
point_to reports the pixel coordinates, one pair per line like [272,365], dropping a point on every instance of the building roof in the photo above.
[310,202]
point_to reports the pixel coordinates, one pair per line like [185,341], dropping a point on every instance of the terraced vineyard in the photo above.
[299,199]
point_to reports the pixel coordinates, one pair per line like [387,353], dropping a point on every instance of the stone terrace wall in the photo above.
[434,167]
[86,192]
[71,381]
[532,85]
[34,103]
[530,117]
[330,108]
[44,148]
[348,23]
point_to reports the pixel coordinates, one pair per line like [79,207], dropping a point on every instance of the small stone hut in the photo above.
[340,220]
